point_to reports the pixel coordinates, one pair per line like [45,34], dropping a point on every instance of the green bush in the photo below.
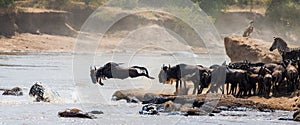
[284,12]
[6,3]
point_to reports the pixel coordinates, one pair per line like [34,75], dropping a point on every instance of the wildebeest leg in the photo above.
[196,87]
[184,85]
[176,87]
[99,81]
[227,89]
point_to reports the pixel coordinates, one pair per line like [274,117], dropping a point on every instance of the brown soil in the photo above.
[31,42]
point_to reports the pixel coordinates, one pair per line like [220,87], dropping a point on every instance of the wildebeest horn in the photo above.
[95,68]
[169,66]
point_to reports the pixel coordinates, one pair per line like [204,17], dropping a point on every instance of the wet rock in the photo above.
[16,91]
[223,108]
[195,112]
[253,50]
[177,113]
[171,106]
[296,116]
[197,103]
[74,112]
[132,100]
[158,100]
[149,109]
[234,114]
[285,118]
[96,112]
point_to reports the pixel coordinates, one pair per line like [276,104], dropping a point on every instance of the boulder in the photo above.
[253,50]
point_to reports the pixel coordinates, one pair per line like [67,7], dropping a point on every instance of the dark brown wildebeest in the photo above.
[262,88]
[114,70]
[184,72]
[277,78]
[291,76]
[237,77]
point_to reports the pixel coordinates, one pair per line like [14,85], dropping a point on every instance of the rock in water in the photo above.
[149,110]
[16,91]
[74,112]
[253,50]
[296,116]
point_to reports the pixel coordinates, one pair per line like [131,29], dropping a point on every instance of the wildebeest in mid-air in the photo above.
[114,70]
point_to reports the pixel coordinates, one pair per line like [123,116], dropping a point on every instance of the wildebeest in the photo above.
[291,76]
[277,78]
[114,70]
[237,77]
[266,82]
[184,72]
[286,52]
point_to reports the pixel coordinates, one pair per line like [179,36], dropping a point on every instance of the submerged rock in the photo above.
[74,112]
[253,50]
[16,91]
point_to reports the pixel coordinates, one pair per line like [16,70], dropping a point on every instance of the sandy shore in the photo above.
[32,42]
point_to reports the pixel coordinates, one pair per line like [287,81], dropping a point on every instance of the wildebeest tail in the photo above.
[141,68]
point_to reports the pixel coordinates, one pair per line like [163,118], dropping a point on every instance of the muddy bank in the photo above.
[24,43]
[209,100]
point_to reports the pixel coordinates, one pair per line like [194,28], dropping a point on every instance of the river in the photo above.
[66,78]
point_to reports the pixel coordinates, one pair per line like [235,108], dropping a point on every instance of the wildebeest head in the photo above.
[162,76]
[93,71]
[206,78]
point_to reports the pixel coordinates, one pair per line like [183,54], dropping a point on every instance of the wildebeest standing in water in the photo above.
[183,72]
[114,70]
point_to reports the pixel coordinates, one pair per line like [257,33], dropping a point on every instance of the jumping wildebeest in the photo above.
[114,70]
[184,72]
[286,52]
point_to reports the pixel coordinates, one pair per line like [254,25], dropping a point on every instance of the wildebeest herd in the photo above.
[240,78]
